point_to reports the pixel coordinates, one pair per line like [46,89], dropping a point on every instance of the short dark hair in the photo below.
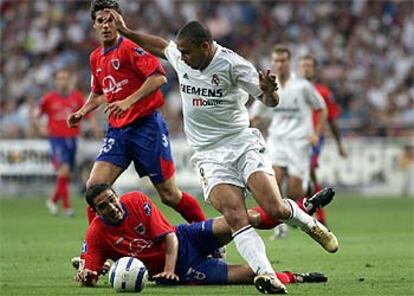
[93,191]
[196,32]
[97,5]
[280,48]
[310,57]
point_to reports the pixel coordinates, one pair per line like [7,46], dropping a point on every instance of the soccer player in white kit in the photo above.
[291,133]
[229,156]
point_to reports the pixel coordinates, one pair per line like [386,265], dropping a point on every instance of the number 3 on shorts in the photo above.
[107,145]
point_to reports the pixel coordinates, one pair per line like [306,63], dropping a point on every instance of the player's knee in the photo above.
[235,218]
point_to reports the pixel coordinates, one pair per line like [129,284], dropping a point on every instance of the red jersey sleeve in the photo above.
[144,63]
[93,250]
[155,221]
[43,105]
[333,109]
[95,85]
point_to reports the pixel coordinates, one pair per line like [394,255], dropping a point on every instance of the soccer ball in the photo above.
[128,274]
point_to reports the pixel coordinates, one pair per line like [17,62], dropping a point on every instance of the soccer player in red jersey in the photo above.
[57,105]
[132,225]
[308,69]
[127,79]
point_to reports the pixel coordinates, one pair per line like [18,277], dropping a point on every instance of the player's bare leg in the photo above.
[295,188]
[229,200]
[182,202]
[266,192]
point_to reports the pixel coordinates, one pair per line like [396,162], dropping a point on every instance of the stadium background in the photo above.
[366,51]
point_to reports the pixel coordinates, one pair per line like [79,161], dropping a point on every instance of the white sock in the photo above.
[298,216]
[251,247]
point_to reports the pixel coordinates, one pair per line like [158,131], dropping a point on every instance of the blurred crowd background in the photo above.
[365,48]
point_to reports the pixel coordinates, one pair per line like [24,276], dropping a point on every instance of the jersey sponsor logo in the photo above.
[138,245]
[111,86]
[147,209]
[199,102]
[201,91]
[115,63]
[215,79]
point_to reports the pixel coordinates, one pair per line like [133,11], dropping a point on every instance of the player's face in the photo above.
[108,206]
[281,63]
[307,68]
[105,27]
[195,56]
[62,81]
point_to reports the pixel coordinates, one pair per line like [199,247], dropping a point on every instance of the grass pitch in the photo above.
[376,255]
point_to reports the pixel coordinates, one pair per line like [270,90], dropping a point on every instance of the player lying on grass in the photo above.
[132,225]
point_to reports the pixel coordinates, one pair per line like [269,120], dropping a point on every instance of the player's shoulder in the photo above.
[133,198]
[226,55]
[130,46]
[95,53]
[50,95]
[299,81]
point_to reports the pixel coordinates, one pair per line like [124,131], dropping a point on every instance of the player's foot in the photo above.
[280,231]
[323,236]
[52,207]
[69,212]
[310,277]
[269,284]
[319,200]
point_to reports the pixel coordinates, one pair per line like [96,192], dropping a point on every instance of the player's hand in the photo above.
[118,19]
[267,82]
[87,277]
[166,277]
[118,108]
[313,139]
[74,119]
[342,152]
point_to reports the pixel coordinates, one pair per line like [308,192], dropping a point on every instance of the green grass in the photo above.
[376,254]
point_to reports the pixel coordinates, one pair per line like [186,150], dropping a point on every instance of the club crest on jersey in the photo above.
[215,79]
[140,228]
[115,64]
[140,51]
[147,209]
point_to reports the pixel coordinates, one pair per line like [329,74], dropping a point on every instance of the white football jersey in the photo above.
[214,99]
[292,118]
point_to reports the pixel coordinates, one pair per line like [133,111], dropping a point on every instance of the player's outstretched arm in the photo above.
[154,44]
[93,102]
[168,276]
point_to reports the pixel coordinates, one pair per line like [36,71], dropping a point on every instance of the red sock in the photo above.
[56,196]
[63,189]
[266,222]
[90,214]
[286,277]
[321,216]
[189,208]
[320,213]
[299,202]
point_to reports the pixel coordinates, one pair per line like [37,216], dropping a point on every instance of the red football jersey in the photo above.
[119,71]
[139,235]
[58,107]
[333,109]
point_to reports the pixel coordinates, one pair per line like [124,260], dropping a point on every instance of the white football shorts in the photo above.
[233,162]
[294,155]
